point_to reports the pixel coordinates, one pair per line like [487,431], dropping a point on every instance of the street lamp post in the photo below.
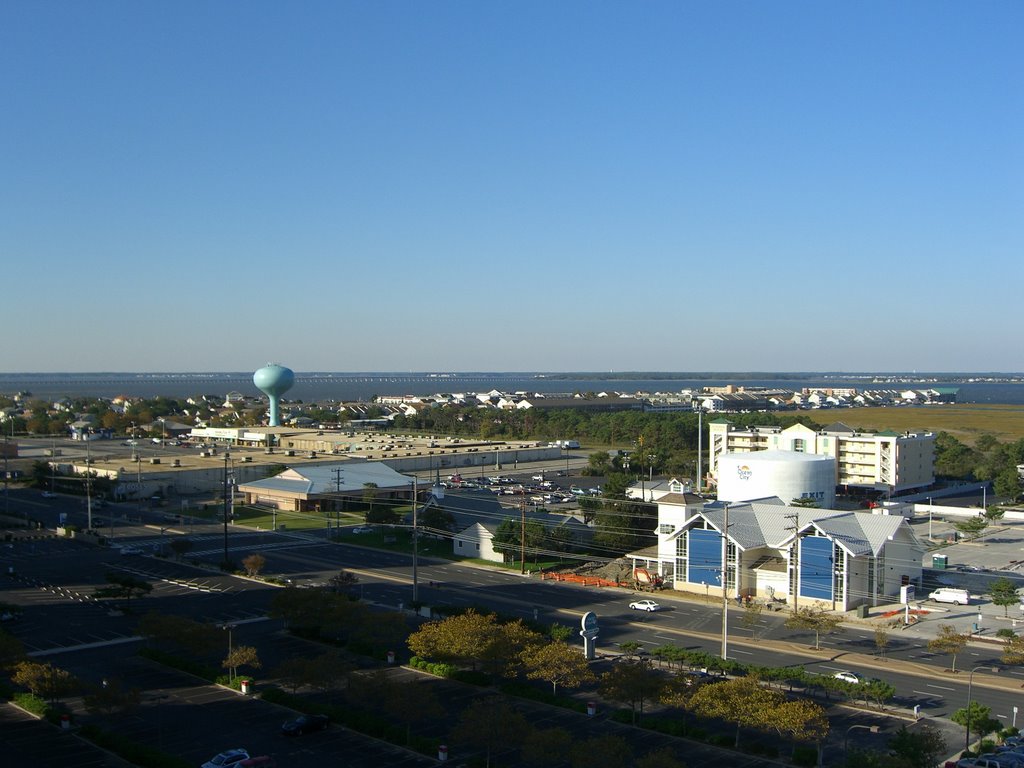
[415,548]
[970,681]
[227,510]
[229,628]
[846,739]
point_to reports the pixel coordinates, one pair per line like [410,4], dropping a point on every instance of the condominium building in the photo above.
[882,461]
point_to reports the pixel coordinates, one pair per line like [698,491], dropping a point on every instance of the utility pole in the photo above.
[643,492]
[7,473]
[415,547]
[337,490]
[794,560]
[725,584]
[700,447]
[227,509]
[522,534]
[88,484]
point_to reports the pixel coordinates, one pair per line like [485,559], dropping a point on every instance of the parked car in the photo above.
[644,605]
[227,757]
[305,724]
[950,595]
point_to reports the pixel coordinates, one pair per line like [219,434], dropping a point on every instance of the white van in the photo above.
[950,595]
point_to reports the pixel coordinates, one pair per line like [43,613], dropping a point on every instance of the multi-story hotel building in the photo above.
[881,461]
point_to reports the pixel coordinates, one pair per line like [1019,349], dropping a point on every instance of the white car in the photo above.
[847,677]
[644,605]
[226,758]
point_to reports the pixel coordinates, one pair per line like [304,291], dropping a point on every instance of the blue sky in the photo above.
[457,186]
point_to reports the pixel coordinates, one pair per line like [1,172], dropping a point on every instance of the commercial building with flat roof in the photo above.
[880,461]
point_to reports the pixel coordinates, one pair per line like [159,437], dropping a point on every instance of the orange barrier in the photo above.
[586,581]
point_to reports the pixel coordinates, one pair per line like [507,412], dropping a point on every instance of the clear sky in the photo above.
[513,186]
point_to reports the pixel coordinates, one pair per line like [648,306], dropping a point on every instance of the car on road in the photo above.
[362,529]
[305,724]
[49,495]
[847,677]
[539,478]
[226,758]
[645,605]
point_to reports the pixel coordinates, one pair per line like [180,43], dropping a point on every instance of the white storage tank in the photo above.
[786,474]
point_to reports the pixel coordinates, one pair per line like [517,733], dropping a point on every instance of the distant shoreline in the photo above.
[349,387]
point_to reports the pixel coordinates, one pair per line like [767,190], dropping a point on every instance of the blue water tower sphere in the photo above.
[274,380]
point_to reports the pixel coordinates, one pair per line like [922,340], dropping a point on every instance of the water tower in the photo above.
[274,380]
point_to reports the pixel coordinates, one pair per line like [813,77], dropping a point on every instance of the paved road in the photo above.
[55,577]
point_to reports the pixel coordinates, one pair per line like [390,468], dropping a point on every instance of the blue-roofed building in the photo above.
[775,551]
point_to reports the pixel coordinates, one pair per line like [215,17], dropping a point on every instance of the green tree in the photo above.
[557,663]
[369,496]
[599,463]
[805,502]
[545,747]
[1003,592]
[1013,651]
[613,750]
[44,680]
[920,748]
[801,720]
[663,757]
[472,638]
[436,518]
[296,672]
[977,718]
[180,546]
[1007,483]
[971,527]
[411,704]
[742,701]
[632,682]
[678,692]
[192,637]
[489,724]
[816,619]
[253,564]
[240,656]
[11,650]
[882,640]
[110,698]
[948,641]
[343,581]
[123,585]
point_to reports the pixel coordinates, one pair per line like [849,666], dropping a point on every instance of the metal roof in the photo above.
[319,479]
[768,523]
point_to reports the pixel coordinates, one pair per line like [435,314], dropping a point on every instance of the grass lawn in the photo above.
[965,422]
[257,517]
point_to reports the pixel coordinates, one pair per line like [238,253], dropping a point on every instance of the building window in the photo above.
[666,528]
[799,445]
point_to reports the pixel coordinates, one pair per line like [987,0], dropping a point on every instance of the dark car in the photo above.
[305,724]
